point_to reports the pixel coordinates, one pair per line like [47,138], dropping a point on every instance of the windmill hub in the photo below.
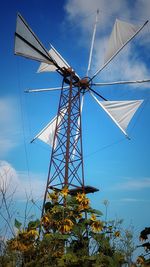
[70,73]
[84,84]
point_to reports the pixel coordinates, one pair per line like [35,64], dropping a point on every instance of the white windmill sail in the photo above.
[121,112]
[47,133]
[121,33]
[57,57]
[28,45]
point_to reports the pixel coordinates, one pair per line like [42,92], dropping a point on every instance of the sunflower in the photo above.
[79,216]
[22,247]
[97,226]
[80,197]
[84,205]
[13,244]
[66,226]
[93,218]
[45,220]
[53,196]
[140,260]
[65,191]
[19,245]
[117,234]
[32,233]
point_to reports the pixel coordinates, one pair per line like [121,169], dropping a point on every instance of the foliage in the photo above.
[144,259]
[70,233]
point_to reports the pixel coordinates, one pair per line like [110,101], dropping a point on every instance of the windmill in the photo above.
[64,132]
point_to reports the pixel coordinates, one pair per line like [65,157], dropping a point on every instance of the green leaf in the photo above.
[33,224]
[48,206]
[56,236]
[96,212]
[17,224]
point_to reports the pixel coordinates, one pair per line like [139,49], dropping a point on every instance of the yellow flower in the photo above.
[65,191]
[13,244]
[66,226]
[80,197]
[32,233]
[55,209]
[79,216]
[117,234]
[45,220]
[97,226]
[68,222]
[23,247]
[84,205]
[93,218]
[53,196]
[140,260]
[19,245]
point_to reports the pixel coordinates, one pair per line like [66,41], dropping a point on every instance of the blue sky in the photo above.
[118,167]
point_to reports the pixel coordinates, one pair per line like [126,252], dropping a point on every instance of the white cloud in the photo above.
[33,185]
[142,9]
[84,8]
[21,183]
[9,127]
[6,144]
[8,177]
[127,66]
[133,184]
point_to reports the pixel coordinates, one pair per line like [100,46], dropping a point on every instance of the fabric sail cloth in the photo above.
[61,62]
[121,112]
[47,133]
[28,45]
[57,57]
[121,33]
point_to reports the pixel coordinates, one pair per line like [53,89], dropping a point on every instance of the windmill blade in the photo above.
[121,82]
[46,89]
[121,112]
[61,63]
[47,133]
[28,45]
[92,44]
[58,58]
[121,35]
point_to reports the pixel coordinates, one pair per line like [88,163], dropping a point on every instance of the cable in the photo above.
[105,147]
[139,115]
[23,128]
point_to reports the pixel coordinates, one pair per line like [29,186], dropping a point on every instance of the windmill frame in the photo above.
[65,165]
